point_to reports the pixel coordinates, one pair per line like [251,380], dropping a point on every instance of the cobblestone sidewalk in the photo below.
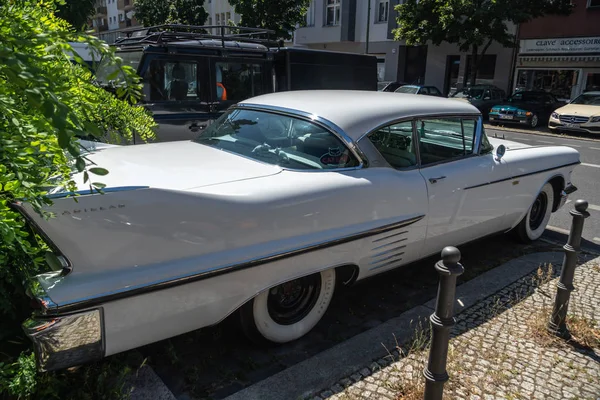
[499,349]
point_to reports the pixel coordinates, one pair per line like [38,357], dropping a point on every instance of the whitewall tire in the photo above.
[533,225]
[288,311]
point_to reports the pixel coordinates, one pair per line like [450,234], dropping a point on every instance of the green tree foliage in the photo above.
[471,24]
[159,12]
[76,12]
[281,16]
[47,100]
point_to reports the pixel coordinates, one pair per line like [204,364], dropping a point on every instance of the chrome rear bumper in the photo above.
[65,341]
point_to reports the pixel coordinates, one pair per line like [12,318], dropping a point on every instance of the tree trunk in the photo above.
[473,66]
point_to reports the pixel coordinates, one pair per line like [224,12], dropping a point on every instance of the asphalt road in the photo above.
[586,177]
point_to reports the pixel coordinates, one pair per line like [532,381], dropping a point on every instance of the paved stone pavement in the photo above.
[498,349]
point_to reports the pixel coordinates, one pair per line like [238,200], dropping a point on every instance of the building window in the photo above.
[333,12]
[485,71]
[209,21]
[593,3]
[121,17]
[223,21]
[218,19]
[228,16]
[383,7]
[310,14]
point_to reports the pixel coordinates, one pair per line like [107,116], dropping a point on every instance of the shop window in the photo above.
[592,82]
[485,71]
[558,82]
[593,3]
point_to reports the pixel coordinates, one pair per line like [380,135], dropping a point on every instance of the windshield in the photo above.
[107,68]
[277,139]
[591,99]
[475,94]
[527,97]
[407,89]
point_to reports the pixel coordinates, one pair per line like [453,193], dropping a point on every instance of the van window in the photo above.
[238,81]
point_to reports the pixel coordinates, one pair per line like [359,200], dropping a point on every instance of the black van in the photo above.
[192,74]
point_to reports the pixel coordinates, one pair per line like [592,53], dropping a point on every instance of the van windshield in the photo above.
[107,68]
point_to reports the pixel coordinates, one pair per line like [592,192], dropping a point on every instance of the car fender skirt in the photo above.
[173,281]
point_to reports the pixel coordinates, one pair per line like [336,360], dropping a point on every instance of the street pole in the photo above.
[368,26]
[442,320]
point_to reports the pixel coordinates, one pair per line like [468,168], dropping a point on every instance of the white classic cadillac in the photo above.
[281,199]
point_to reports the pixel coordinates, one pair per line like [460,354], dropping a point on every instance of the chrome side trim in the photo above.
[85,192]
[66,340]
[130,291]
[325,123]
[521,176]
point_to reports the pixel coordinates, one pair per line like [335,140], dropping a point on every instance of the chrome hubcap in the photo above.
[291,301]
[538,211]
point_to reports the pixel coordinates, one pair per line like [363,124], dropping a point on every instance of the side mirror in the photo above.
[500,152]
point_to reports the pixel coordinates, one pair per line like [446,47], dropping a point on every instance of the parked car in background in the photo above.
[580,115]
[283,198]
[481,96]
[389,86]
[529,108]
[418,89]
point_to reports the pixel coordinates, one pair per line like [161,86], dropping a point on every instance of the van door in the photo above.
[178,93]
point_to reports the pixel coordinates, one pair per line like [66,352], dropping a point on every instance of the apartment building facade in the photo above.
[341,25]
[561,54]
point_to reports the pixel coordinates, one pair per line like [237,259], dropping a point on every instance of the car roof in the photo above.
[358,112]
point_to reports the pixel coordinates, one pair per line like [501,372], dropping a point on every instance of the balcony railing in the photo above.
[100,11]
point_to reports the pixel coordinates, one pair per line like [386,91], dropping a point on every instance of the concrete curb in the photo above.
[329,366]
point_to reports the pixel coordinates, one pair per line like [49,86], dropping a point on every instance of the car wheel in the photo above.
[290,310]
[534,223]
[534,121]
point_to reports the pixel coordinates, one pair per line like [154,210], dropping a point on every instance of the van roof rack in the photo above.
[173,33]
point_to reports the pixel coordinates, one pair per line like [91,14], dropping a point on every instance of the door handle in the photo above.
[434,180]
[195,127]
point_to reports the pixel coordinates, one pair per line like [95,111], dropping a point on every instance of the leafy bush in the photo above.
[47,100]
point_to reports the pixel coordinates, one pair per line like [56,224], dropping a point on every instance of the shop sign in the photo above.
[561,45]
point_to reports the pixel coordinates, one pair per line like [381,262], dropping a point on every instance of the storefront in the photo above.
[565,67]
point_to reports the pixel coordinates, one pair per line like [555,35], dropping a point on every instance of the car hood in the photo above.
[579,109]
[171,165]
[516,106]
[507,143]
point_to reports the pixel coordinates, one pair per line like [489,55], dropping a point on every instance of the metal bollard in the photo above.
[557,324]
[442,321]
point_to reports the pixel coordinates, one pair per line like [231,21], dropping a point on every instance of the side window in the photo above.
[487,95]
[238,81]
[171,81]
[424,90]
[434,91]
[395,144]
[496,95]
[445,139]
[486,146]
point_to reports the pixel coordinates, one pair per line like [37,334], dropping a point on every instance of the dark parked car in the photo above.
[481,96]
[528,108]
[418,89]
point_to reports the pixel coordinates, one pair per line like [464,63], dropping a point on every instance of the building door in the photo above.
[452,69]
[591,80]
[416,60]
